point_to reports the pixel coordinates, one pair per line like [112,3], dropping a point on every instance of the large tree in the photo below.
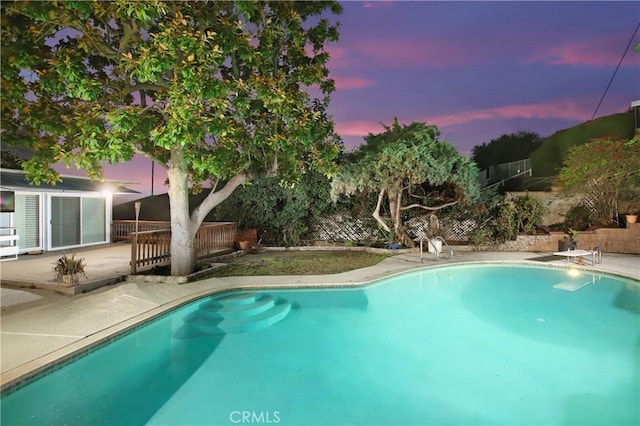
[506,148]
[410,168]
[603,169]
[215,92]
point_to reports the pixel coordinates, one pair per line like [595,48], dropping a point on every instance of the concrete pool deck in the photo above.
[40,328]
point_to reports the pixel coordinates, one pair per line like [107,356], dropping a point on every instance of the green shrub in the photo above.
[507,219]
[505,225]
[282,215]
[578,217]
[529,214]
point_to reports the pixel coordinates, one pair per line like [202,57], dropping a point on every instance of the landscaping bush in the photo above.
[283,216]
[529,214]
[577,217]
[508,219]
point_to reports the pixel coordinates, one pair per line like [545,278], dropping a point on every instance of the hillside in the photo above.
[547,160]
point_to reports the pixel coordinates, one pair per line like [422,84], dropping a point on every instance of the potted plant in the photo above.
[570,241]
[67,270]
[244,245]
[632,198]
[631,216]
[573,237]
[247,238]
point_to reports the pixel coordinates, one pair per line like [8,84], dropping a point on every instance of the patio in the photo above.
[106,264]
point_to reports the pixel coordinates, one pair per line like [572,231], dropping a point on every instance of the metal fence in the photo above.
[506,171]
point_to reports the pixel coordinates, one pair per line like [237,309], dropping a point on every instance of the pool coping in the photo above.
[24,374]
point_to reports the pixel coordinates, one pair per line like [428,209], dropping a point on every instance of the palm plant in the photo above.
[69,266]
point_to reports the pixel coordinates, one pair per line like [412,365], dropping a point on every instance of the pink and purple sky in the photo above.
[477,70]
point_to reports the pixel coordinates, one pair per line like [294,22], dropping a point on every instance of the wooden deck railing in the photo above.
[150,248]
[153,248]
[121,229]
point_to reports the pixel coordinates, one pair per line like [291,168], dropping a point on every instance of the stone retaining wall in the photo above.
[610,240]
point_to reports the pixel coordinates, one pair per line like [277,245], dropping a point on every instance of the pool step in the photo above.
[220,310]
[237,313]
[256,322]
[238,299]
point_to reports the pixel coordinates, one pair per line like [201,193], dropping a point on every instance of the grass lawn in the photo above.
[298,263]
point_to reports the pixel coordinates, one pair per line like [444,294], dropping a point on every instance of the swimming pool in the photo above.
[481,344]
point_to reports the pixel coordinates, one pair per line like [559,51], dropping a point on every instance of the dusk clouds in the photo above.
[593,52]
[481,69]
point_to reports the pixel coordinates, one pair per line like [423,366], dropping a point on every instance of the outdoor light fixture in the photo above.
[137,206]
[106,190]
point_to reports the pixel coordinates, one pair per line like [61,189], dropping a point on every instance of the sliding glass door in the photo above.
[65,221]
[93,224]
[77,221]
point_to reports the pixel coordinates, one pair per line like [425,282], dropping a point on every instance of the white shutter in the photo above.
[27,221]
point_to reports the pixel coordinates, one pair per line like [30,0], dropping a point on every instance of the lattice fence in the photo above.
[449,229]
[342,227]
[589,203]
[597,203]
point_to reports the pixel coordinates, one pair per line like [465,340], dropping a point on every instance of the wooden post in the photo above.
[134,251]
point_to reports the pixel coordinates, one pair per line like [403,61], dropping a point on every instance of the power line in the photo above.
[616,70]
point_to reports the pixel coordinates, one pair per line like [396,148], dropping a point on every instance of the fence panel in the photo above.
[343,227]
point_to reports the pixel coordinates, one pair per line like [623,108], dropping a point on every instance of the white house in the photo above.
[73,213]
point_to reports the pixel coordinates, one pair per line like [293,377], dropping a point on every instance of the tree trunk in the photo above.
[182,249]
[395,214]
[376,212]
[395,207]
[184,226]
[216,197]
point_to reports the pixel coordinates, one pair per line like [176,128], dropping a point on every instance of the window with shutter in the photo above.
[27,221]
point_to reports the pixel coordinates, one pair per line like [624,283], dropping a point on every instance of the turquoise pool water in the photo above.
[458,345]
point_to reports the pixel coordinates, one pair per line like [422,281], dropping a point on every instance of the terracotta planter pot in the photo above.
[244,245]
[250,235]
[631,218]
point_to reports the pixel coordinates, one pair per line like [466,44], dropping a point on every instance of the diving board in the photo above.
[578,254]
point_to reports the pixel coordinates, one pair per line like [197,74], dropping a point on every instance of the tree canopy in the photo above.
[506,148]
[603,169]
[410,168]
[214,92]
[9,159]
